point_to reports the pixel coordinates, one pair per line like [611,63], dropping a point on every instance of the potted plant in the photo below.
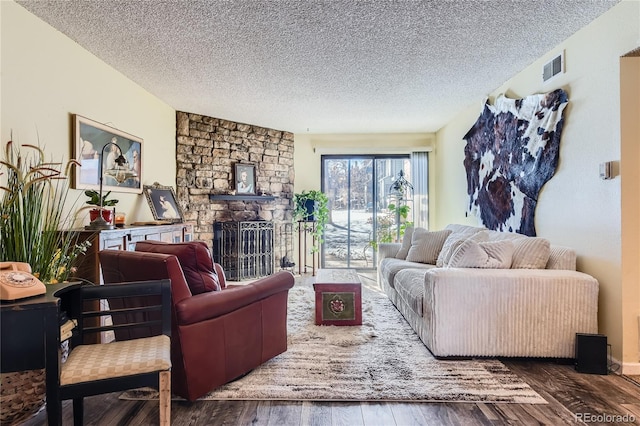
[392,225]
[312,206]
[94,200]
[32,212]
[33,195]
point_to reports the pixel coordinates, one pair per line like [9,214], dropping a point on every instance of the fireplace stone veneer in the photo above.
[207,150]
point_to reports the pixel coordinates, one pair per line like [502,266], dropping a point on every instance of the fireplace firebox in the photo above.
[244,249]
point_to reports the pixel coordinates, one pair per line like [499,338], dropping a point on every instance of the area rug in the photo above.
[382,360]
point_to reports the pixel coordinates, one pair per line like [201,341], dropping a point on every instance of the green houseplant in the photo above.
[392,226]
[33,195]
[312,206]
[94,200]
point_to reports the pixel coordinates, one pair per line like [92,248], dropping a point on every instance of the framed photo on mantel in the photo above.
[90,139]
[245,179]
[163,204]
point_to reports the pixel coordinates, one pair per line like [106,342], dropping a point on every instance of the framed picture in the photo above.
[162,201]
[94,142]
[245,178]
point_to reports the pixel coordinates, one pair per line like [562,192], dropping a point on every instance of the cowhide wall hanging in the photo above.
[512,151]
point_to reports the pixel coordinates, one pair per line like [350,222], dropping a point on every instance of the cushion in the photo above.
[117,359]
[458,233]
[531,253]
[406,243]
[410,288]
[425,245]
[390,266]
[487,254]
[478,237]
[195,260]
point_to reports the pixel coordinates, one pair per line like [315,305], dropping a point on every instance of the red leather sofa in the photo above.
[219,332]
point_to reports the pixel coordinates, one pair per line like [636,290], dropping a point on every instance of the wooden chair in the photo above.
[110,367]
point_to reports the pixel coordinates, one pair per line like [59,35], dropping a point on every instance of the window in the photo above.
[358,188]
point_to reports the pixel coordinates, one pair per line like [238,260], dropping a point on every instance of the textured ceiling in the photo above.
[340,66]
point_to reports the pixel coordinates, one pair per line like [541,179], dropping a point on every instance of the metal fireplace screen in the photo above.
[244,249]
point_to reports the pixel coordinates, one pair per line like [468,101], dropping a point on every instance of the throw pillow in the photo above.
[425,245]
[406,243]
[456,235]
[478,237]
[195,260]
[488,254]
[531,253]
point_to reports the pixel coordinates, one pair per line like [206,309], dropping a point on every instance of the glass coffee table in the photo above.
[338,297]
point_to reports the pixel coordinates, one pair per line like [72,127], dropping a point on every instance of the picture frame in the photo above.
[245,179]
[90,138]
[163,204]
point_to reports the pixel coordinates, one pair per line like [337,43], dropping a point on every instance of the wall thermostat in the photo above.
[605,170]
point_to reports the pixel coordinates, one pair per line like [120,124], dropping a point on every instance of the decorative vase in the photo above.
[107,215]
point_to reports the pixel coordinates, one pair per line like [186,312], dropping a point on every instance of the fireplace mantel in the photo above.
[220,197]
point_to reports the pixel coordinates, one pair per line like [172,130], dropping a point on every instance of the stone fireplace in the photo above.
[207,151]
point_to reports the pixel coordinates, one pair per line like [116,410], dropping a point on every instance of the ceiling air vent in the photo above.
[553,68]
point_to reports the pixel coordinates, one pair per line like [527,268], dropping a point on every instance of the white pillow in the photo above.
[406,243]
[478,237]
[488,254]
[425,245]
[531,253]
[453,238]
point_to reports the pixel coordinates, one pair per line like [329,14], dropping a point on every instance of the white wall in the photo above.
[46,77]
[575,207]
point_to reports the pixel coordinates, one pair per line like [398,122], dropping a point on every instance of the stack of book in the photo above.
[66,329]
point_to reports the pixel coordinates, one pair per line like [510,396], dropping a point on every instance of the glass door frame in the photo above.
[374,189]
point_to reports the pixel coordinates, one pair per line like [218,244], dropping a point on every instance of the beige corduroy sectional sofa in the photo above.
[469,291]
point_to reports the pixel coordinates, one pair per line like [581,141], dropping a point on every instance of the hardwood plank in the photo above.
[633,409]
[566,391]
[315,414]
[248,414]
[407,413]
[185,413]
[465,414]
[377,413]
[516,414]
[577,393]
[488,411]
[284,413]
[346,413]
[547,414]
[129,411]
[451,413]
[263,411]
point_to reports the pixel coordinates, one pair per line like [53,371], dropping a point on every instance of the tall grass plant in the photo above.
[34,194]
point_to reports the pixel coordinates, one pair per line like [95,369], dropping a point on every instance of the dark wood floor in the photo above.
[570,394]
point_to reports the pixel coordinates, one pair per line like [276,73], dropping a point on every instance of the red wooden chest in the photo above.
[338,297]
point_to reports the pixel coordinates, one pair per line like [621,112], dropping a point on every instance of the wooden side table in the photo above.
[338,297]
[30,326]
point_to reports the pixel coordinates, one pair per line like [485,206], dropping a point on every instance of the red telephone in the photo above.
[16,281]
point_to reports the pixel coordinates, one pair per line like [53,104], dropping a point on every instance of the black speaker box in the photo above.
[591,353]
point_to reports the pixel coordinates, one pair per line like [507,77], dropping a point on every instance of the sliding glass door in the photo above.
[358,188]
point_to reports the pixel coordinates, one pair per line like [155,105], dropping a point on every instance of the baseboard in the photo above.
[631,368]
[627,368]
